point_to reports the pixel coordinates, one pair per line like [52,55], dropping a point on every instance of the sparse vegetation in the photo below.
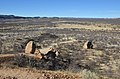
[89,75]
[68,36]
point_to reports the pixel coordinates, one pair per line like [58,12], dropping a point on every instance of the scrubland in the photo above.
[68,37]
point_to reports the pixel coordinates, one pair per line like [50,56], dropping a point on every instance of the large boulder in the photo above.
[30,47]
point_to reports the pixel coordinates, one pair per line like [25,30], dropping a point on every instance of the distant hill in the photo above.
[14,17]
[10,17]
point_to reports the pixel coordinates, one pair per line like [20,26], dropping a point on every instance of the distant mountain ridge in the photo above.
[14,17]
[70,19]
[10,17]
[20,17]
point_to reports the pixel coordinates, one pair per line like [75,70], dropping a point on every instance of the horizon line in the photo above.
[59,16]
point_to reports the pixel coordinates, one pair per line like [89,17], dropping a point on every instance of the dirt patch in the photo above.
[90,27]
[24,73]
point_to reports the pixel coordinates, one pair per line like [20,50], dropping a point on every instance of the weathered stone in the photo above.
[30,47]
[51,53]
[88,45]
[38,54]
[85,45]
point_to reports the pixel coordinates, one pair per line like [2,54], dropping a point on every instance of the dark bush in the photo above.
[49,64]
[21,60]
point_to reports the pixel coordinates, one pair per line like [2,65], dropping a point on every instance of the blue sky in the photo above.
[62,8]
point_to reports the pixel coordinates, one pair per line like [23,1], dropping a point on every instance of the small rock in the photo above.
[88,45]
